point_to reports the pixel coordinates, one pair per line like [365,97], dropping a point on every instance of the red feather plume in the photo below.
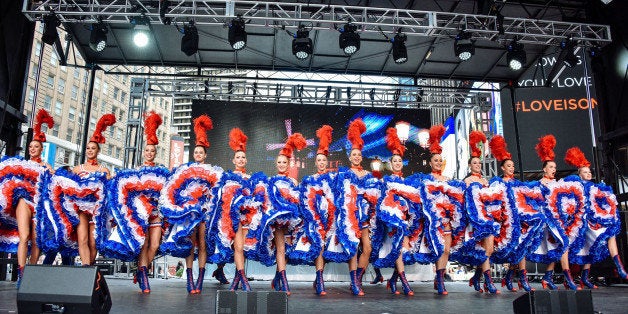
[475,138]
[152,121]
[202,124]
[436,133]
[42,117]
[545,147]
[499,149]
[576,158]
[354,134]
[295,141]
[102,124]
[237,140]
[324,139]
[393,143]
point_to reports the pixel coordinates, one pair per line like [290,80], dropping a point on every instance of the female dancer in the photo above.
[499,150]
[237,142]
[153,237]
[488,242]
[545,150]
[24,211]
[86,226]
[595,232]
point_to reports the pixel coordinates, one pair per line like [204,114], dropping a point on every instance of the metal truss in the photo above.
[324,17]
[410,97]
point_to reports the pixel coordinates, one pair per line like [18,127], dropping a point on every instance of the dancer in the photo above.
[488,236]
[600,225]
[91,168]
[545,150]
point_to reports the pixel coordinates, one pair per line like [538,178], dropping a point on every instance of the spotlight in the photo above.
[568,53]
[50,34]
[189,42]
[302,46]
[98,37]
[516,56]
[237,34]
[463,46]
[141,35]
[349,40]
[400,52]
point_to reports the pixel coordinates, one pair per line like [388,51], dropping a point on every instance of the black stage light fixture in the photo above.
[237,33]
[98,37]
[50,34]
[516,55]
[302,46]
[399,50]
[189,42]
[349,40]
[568,53]
[463,46]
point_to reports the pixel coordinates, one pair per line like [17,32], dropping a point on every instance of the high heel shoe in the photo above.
[439,282]
[276,283]
[378,276]
[137,279]
[236,281]
[392,283]
[355,287]
[319,283]
[523,280]
[284,282]
[548,281]
[219,274]
[244,281]
[584,280]
[20,274]
[488,283]
[405,285]
[360,273]
[507,281]
[199,280]
[568,283]
[190,281]
[475,280]
[144,276]
[620,267]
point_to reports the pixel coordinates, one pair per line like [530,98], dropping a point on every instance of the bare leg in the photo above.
[24,215]
[92,244]
[34,248]
[441,263]
[82,234]
[202,245]
[154,237]
[489,246]
[238,247]
[550,266]
[612,246]
[280,248]
[399,262]
[564,261]
[189,260]
[363,261]
[353,263]
[320,262]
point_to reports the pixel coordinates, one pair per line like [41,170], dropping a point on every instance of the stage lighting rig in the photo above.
[302,46]
[189,41]
[399,50]
[50,35]
[516,55]
[237,33]
[98,37]
[141,25]
[464,46]
[568,53]
[349,40]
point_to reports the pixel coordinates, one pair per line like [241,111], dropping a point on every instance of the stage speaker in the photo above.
[554,302]
[63,289]
[255,302]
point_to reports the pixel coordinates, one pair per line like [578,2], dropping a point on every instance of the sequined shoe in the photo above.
[190,281]
[405,285]
[584,280]
[568,283]
[219,274]
[475,280]
[319,283]
[488,283]
[439,282]
[355,287]
[548,280]
[620,267]
[236,282]
[523,280]
[507,281]
[378,276]
[392,283]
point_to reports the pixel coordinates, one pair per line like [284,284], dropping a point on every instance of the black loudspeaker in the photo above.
[554,302]
[63,289]
[256,302]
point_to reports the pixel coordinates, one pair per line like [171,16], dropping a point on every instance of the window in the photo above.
[63,68]
[118,152]
[35,70]
[58,107]
[55,130]
[111,129]
[80,119]
[67,154]
[61,86]
[83,97]
[123,97]
[77,73]
[37,48]
[105,88]
[51,81]
[92,123]
[53,58]
[31,95]
[74,92]
[119,134]
[97,83]
[68,135]
[47,102]
[71,113]
[109,150]
[95,103]
[123,79]
[116,92]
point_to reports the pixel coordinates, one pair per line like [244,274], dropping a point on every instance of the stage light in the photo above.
[463,46]
[516,56]
[237,33]
[50,34]
[403,131]
[399,50]
[189,41]
[98,37]
[376,164]
[302,46]
[349,40]
[568,53]
[141,35]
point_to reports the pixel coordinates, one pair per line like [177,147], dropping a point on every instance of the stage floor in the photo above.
[170,296]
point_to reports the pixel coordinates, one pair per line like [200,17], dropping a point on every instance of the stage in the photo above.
[169,296]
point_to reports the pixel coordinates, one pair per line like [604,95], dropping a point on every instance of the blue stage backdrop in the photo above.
[268,126]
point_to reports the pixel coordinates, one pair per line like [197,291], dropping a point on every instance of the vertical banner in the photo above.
[176,151]
[49,153]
